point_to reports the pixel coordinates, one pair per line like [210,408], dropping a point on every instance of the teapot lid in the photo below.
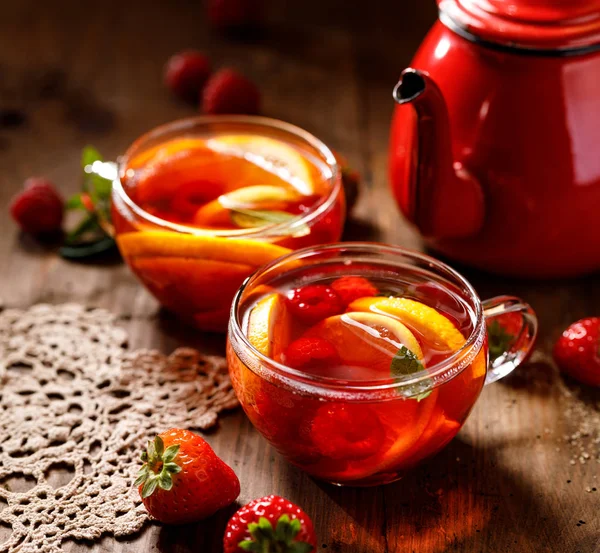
[567,26]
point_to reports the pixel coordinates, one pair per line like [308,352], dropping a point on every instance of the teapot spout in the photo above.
[443,200]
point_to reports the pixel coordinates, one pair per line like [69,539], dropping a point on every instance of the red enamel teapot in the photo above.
[495,143]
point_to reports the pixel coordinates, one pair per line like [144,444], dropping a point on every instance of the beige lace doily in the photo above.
[71,395]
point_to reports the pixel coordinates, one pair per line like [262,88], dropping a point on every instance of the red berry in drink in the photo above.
[38,209]
[310,353]
[315,302]
[186,73]
[350,288]
[270,524]
[230,92]
[577,351]
[347,431]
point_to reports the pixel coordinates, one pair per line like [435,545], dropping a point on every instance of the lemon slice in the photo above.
[269,326]
[254,196]
[173,244]
[272,155]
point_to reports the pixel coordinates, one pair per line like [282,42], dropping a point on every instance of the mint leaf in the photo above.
[499,340]
[405,362]
[74,202]
[89,155]
[252,218]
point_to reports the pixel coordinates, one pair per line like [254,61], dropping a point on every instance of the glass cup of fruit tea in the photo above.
[359,360]
[200,204]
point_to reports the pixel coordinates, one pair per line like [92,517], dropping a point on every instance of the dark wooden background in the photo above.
[90,72]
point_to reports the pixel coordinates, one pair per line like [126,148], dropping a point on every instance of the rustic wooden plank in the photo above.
[91,73]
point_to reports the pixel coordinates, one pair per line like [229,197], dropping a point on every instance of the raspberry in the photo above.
[38,209]
[350,288]
[234,14]
[186,73]
[314,352]
[347,431]
[315,302]
[228,91]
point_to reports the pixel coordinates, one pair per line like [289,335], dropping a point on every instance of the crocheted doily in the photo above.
[72,396]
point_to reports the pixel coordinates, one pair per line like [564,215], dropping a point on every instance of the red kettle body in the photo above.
[495,141]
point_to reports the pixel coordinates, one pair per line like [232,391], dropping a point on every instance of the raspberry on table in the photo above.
[314,303]
[186,73]
[39,208]
[230,92]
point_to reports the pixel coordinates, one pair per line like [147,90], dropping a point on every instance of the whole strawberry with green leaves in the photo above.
[183,480]
[270,524]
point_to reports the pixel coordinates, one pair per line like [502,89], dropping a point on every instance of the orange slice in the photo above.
[367,340]
[272,155]
[432,324]
[174,244]
[269,326]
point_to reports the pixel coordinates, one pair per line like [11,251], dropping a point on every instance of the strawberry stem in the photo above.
[282,539]
[158,468]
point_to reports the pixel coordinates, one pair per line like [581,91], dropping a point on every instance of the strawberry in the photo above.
[313,352]
[230,92]
[503,330]
[234,14]
[577,351]
[38,209]
[350,288]
[186,73]
[314,302]
[271,524]
[182,479]
[347,431]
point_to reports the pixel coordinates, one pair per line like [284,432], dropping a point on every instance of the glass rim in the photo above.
[276,229]
[449,367]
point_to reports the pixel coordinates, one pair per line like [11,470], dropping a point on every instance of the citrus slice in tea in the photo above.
[272,155]
[173,244]
[366,344]
[219,212]
[269,326]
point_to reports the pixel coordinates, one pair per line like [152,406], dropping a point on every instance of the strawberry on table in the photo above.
[271,524]
[182,479]
[577,351]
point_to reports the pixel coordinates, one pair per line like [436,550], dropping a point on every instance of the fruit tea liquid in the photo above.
[227,181]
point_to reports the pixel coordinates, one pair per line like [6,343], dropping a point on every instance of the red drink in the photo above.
[201,204]
[356,367]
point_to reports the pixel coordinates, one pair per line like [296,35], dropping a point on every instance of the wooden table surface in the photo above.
[516,479]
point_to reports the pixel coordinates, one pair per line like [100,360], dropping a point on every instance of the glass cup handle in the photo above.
[514,339]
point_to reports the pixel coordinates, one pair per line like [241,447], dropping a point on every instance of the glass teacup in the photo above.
[357,361]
